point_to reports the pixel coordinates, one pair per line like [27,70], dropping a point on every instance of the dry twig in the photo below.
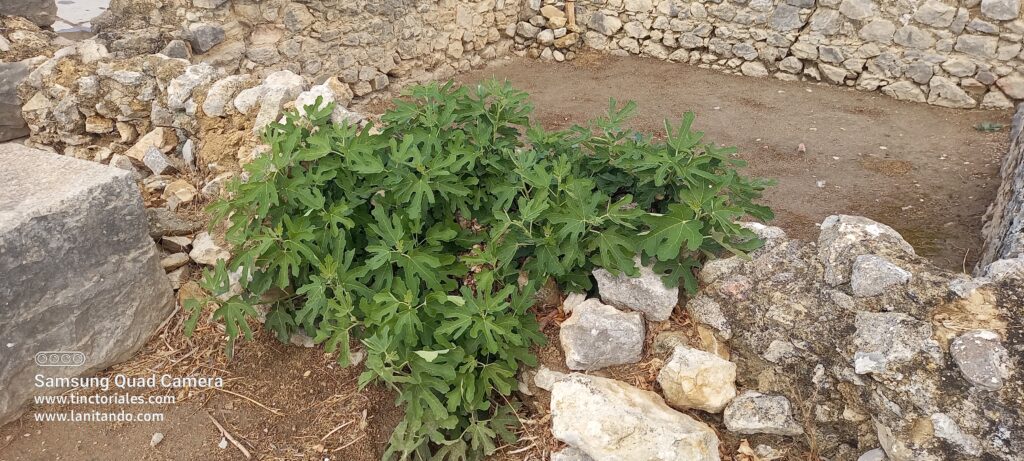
[227,435]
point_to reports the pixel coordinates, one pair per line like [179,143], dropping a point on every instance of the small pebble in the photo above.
[157,438]
[223,443]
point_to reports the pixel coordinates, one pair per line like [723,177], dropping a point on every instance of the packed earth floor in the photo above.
[924,170]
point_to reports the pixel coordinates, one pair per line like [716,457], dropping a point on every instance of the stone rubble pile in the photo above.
[853,343]
[961,55]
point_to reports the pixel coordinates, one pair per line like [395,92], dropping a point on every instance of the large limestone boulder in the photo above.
[611,420]
[78,271]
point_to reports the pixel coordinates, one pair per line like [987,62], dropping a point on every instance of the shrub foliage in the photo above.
[425,241]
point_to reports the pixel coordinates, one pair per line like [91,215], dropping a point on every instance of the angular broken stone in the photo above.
[205,35]
[157,183]
[219,96]
[696,379]
[611,420]
[98,125]
[705,310]
[178,276]
[873,275]
[179,244]
[1002,10]
[982,359]
[598,336]
[269,96]
[645,293]
[205,250]
[755,413]
[161,138]
[877,454]
[179,192]
[326,93]
[843,238]
[165,222]
[946,93]
[545,377]
[600,22]
[857,9]
[157,162]
[174,261]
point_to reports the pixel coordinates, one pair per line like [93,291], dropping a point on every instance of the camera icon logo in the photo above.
[59,359]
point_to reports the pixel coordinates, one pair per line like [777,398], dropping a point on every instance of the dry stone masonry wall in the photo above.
[1004,221]
[962,54]
[366,44]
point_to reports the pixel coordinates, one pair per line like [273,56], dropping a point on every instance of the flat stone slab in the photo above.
[78,270]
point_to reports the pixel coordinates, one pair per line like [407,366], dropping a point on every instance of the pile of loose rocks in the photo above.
[854,345]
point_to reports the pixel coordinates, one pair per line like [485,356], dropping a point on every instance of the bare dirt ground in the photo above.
[924,170]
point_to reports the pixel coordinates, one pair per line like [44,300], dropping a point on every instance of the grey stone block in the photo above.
[12,126]
[78,271]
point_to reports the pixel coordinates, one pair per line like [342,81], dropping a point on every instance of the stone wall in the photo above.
[960,55]
[367,44]
[1004,221]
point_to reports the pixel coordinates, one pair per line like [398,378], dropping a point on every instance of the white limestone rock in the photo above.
[611,420]
[696,379]
[645,293]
